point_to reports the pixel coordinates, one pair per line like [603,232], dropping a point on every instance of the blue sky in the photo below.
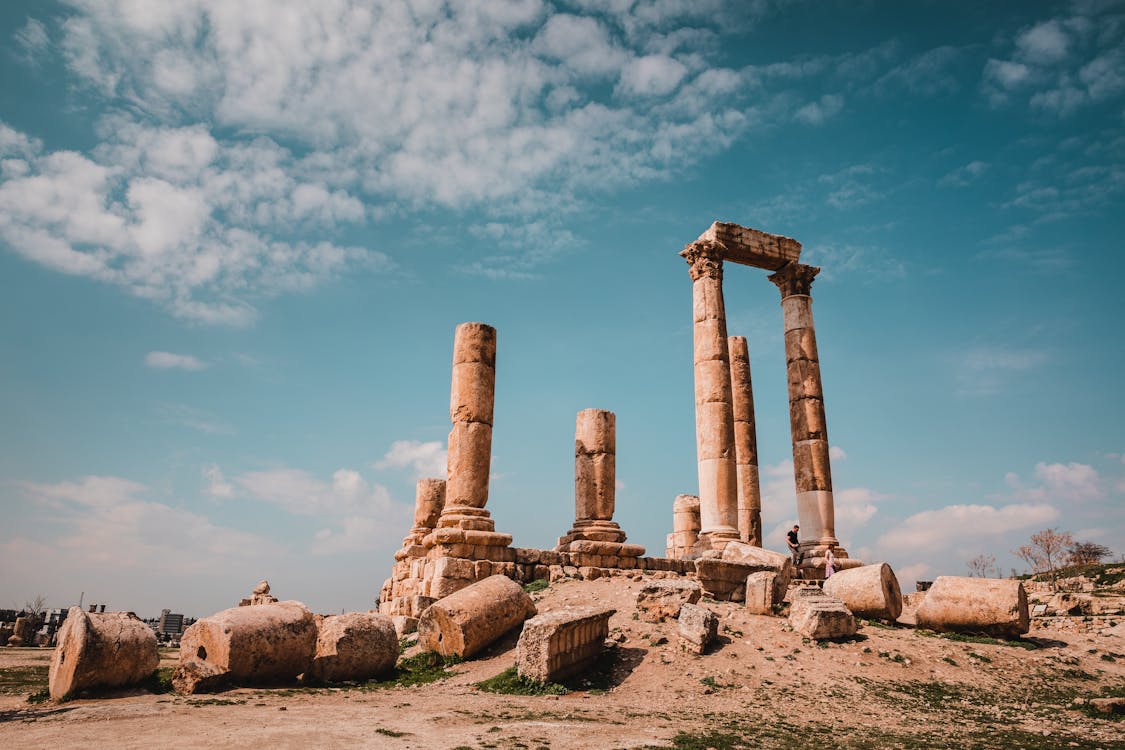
[235,240]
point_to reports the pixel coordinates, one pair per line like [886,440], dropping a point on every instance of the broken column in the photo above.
[466,621]
[992,606]
[595,478]
[811,468]
[871,591]
[246,645]
[429,499]
[714,416]
[745,443]
[685,527]
[353,647]
[562,642]
[401,595]
[108,650]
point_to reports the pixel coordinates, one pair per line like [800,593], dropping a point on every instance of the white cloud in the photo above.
[855,506]
[964,175]
[32,40]
[217,485]
[108,528]
[815,113]
[913,574]
[928,74]
[652,75]
[1058,482]
[298,492]
[1043,43]
[427,459]
[836,453]
[983,370]
[171,361]
[956,526]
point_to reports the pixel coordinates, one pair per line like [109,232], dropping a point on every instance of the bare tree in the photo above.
[1046,552]
[1087,553]
[983,566]
[36,606]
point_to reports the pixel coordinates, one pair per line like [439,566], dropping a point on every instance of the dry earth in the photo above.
[762,686]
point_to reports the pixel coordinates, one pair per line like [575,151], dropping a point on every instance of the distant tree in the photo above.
[35,607]
[1087,553]
[983,566]
[1048,550]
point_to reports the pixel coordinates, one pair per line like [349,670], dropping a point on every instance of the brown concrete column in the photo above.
[811,468]
[745,443]
[714,416]
[470,441]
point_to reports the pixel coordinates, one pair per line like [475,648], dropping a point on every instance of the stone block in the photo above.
[821,617]
[762,592]
[467,621]
[404,625]
[698,628]
[353,647]
[725,580]
[104,650]
[871,591]
[992,606]
[562,643]
[662,600]
[246,645]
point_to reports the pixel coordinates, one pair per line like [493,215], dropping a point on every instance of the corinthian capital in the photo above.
[705,259]
[794,278]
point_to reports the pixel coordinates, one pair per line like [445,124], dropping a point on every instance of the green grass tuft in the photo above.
[509,682]
[539,584]
[988,640]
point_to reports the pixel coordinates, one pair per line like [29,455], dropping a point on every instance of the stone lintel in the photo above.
[752,247]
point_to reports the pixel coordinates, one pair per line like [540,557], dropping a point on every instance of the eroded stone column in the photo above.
[745,443]
[685,527]
[595,480]
[811,468]
[714,416]
[429,499]
[470,441]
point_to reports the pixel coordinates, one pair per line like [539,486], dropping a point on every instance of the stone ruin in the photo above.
[717,534]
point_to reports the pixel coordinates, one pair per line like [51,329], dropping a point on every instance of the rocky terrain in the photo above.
[762,685]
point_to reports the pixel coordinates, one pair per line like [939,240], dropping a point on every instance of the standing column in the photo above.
[811,468]
[745,443]
[595,488]
[470,441]
[714,416]
[429,499]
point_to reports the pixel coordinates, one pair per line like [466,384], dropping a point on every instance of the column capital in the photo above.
[794,278]
[705,259]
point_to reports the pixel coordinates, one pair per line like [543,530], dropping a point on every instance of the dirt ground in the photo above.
[761,686]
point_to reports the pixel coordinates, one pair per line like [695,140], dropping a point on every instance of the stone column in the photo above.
[685,527]
[745,444]
[811,468]
[429,499]
[470,441]
[714,416]
[595,480]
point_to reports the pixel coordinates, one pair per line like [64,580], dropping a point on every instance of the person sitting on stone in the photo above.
[792,541]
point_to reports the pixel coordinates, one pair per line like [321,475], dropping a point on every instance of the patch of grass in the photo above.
[509,682]
[988,640]
[21,680]
[714,684]
[949,660]
[160,681]
[1077,674]
[979,657]
[390,732]
[707,741]
[41,696]
[877,624]
[420,669]
[539,584]
[214,702]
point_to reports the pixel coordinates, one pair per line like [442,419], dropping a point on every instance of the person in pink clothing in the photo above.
[829,564]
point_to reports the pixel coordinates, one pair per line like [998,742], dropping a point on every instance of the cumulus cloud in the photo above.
[426,459]
[815,113]
[108,526]
[963,526]
[171,361]
[1058,482]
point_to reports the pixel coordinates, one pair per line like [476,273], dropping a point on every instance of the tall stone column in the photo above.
[745,443]
[714,416]
[595,488]
[811,468]
[470,441]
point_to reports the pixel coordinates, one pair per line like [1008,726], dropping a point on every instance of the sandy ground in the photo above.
[762,686]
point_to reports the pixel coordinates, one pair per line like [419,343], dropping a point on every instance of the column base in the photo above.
[466,517]
[593,531]
[717,539]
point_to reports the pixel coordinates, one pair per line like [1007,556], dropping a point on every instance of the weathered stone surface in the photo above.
[698,628]
[108,650]
[762,592]
[742,552]
[871,591]
[23,631]
[246,645]
[355,646]
[260,595]
[745,442]
[821,617]
[562,643]
[992,606]
[404,624]
[662,600]
[752,247]
[465,622]
[725,580]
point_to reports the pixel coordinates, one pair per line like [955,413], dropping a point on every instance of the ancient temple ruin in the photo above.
[717,535]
